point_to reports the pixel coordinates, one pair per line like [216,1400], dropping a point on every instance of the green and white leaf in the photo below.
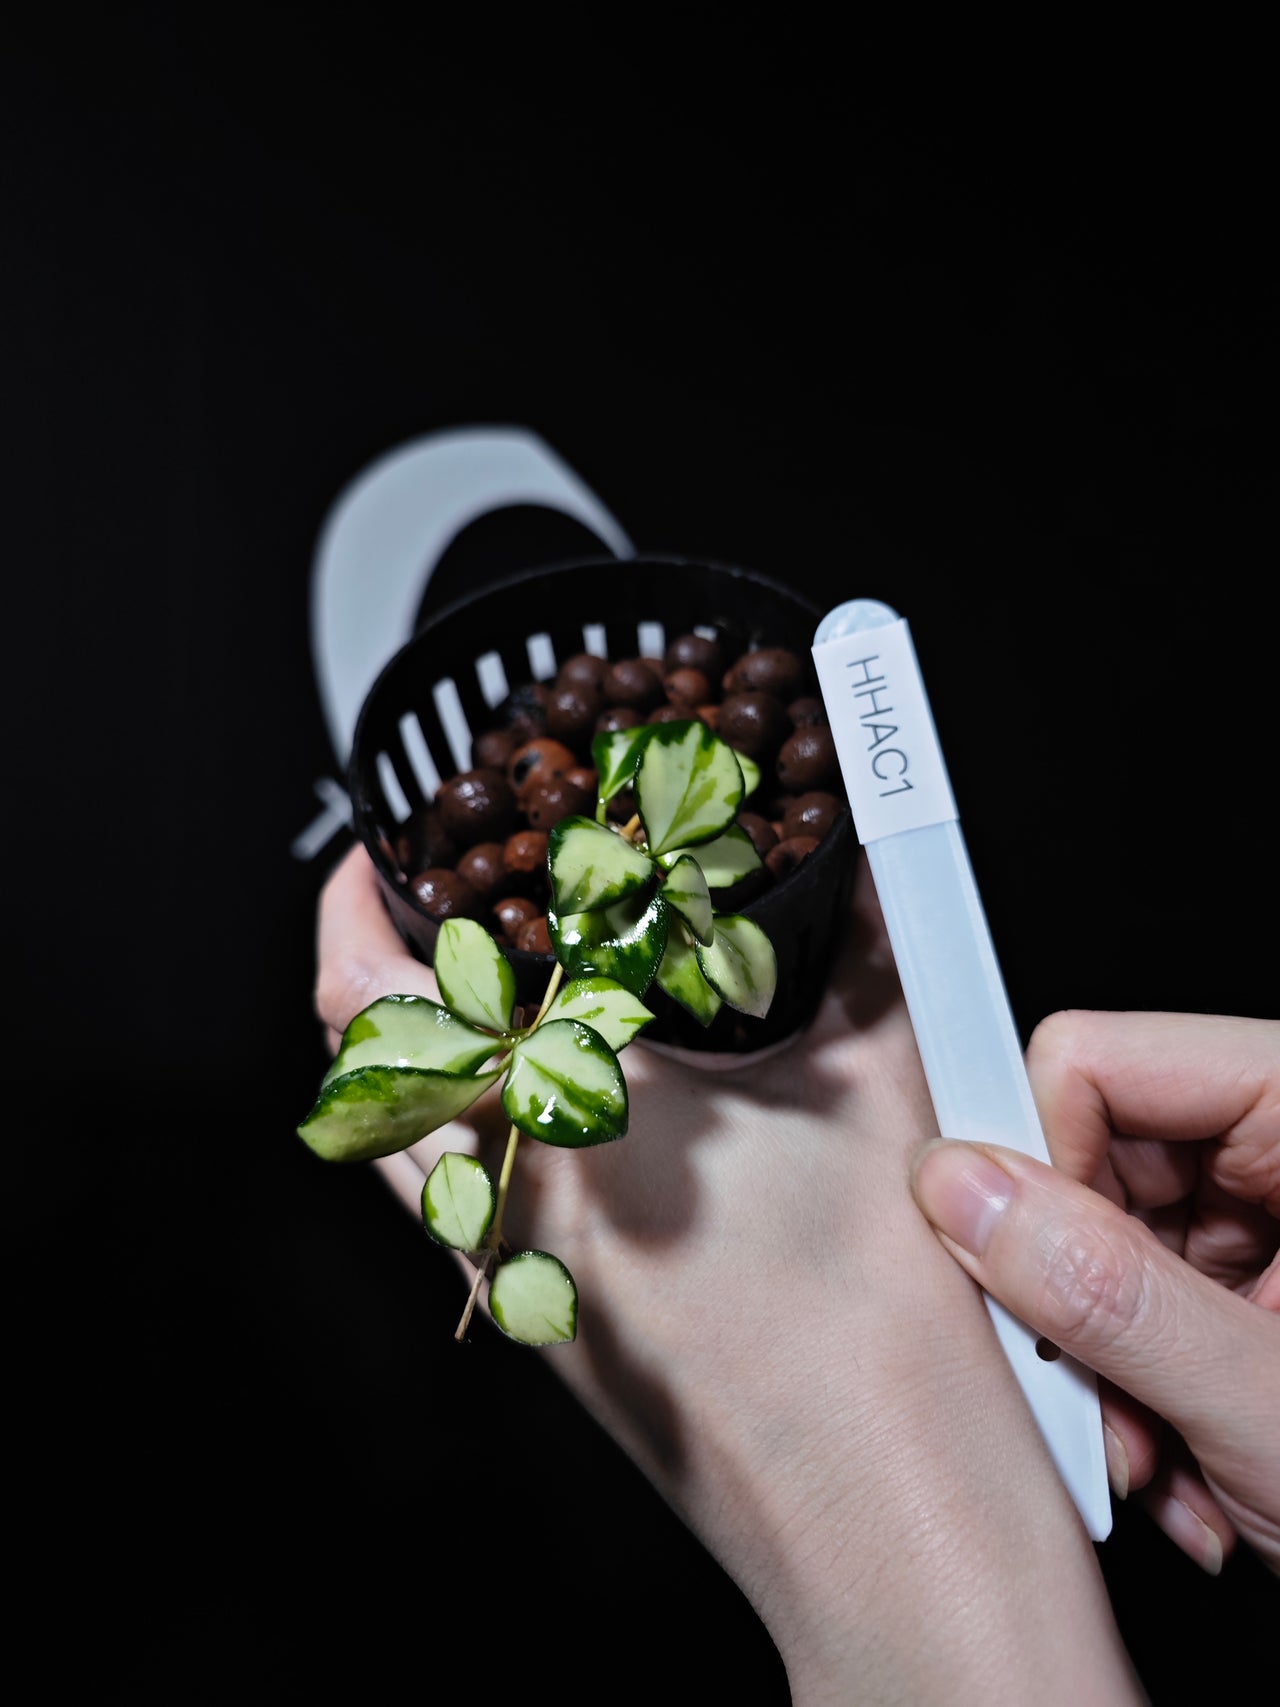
[688,786]
[681,977]
[751,773]
[686,890]
[533,1299]
[592,866]
[565,1086]
[410,1031]
[375,1111]
[740,964]
[724,860]
[605,1005]
[624,942]
[458,1202]
[615,755]
[475,977]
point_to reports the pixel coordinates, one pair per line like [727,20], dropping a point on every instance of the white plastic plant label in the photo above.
[883,731]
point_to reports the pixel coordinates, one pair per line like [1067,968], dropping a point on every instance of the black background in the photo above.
[1001,363]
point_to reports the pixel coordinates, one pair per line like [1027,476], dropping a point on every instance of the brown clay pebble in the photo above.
[583,670]
[445,895]
[754,723]
[538,760]
[810,814]
[807,759]
[525,855]
[477,806]
[512,913]
[524,711]
[584,776]
[484,868]
[789,854]
[710,715]
[670,714]
[492,750]
[572,713]
[807,709]
[696,652]
[762,833]
[635,682]
[686,686]
[617,717]
[769,669]
[546,803]
[534,936]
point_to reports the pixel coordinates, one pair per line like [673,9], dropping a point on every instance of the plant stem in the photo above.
[493,1238]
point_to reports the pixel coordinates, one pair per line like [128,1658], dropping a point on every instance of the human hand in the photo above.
[771,1331]
[1149,1252]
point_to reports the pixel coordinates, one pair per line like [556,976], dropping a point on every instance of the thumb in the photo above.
[1096,1282]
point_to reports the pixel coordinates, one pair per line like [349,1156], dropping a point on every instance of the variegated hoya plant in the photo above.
[630,908]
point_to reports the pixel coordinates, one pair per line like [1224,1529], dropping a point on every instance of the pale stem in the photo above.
[494,1237]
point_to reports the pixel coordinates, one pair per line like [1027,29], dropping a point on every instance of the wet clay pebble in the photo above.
[755,723]
[806,710]
[769,669]
[583,670]
[512,913]
[537,761]
[546,803]
[789,854]
[686,686]
[524,857]
[696,652]
[811,814]
[477,806]
[534,937]
[572,713]
[484,868]
[635,682]
[617,717]
[807,759]
[524,711]
[445,895]
[493,749]
[762,833]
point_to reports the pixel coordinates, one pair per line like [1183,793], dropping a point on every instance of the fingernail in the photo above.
[1194,1536]
[962,1192]
[1117,1462]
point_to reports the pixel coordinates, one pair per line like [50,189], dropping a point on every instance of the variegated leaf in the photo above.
[458,1202]
[533,1299]
[688,786]
[605,1005]
[739,963]
[410,1031]
[376,1111]
[623,942]
[592,866]
[681,977]
[565,1086]
[686,890]
[475,976]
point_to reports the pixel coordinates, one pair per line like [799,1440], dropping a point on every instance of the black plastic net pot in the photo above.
[464,668]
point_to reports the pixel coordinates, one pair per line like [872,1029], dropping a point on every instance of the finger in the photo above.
[1172,1077]
[1133,1437]
[1097,1283]
[359,953]
[1184,1508]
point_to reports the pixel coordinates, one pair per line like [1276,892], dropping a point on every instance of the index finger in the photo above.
[360,955]
[1168,1077]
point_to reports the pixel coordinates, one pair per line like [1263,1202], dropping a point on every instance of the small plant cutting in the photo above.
[631,908]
